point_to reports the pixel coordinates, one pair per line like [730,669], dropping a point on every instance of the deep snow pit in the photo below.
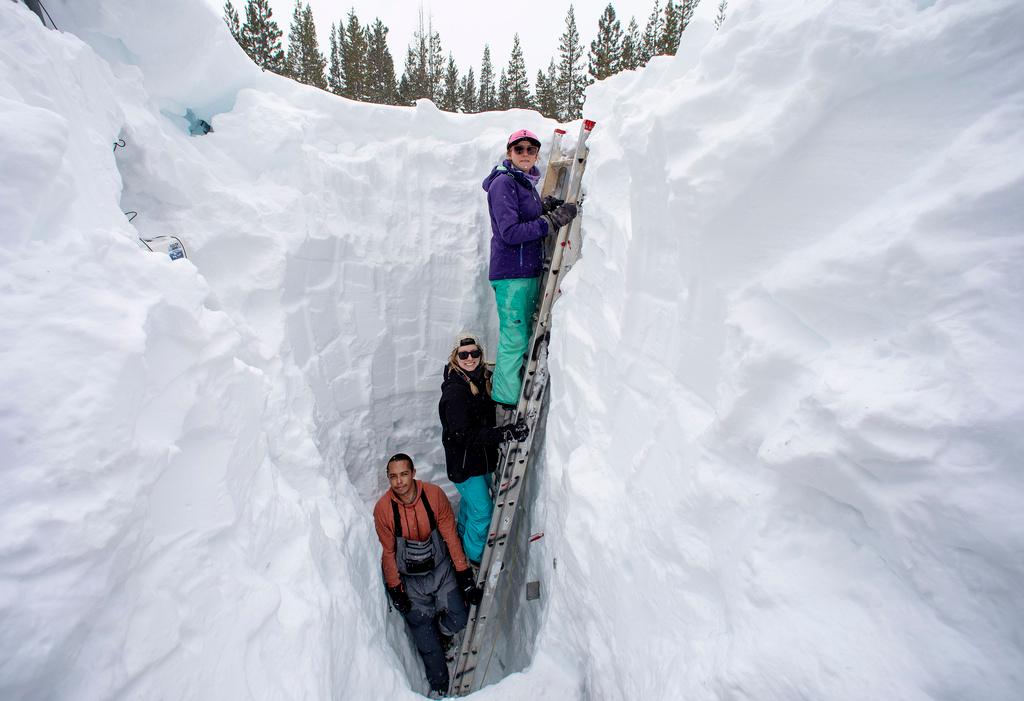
[783,449]
[364,283]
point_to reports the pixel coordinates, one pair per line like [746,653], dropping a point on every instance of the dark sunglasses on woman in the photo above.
[532,150]
[469,354]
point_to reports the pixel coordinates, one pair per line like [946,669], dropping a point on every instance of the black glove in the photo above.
[560,216]
[551,202]
[470,591]
[399,599]
[515,432]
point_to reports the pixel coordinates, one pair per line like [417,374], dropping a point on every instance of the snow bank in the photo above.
[241,403]
[171,530]
[781,446]
[784,449]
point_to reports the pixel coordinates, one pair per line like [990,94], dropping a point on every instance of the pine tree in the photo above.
[467,92]
[424,65]
[231,19]
[652,33]
[557,109]
[335,81]
[547,100]
[414,84]
[435,63]
[606,49]
[380,67]
[677,17]
[503,96]
[631,47]
[404,89]
[293,56]
[315,64]
[261,37]
[686,10]
[542,93]
[354,59]
[671,30]
[488,97]
[518,83]
[449,98]
[305,63]
[572,81]
[720,17]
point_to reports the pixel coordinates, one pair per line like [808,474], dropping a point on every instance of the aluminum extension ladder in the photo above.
[562,179]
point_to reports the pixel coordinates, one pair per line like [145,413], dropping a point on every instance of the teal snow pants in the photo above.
[475,509]
[516,299]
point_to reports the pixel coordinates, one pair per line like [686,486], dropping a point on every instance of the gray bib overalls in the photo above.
[437,606]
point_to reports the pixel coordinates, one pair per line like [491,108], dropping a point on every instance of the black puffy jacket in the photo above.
[467,426]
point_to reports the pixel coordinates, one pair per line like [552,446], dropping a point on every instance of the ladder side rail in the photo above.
[516,458]
[509,590]
[559,189]
[470,657]
[514,575]
[554,157]
[570,253]
[553,178]
[551,278]
[508,462]
[556,176]
[498,540]
[558,249]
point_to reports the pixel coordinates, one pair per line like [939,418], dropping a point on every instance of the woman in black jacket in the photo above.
[471,439]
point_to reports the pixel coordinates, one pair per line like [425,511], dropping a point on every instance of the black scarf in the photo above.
[477,379]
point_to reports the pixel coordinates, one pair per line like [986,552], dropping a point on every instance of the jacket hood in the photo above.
[506,168]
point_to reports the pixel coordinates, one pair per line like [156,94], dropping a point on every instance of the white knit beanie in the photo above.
[469,338]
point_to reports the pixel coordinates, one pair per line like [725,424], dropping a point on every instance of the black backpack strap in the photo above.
[430,512]
[398,520]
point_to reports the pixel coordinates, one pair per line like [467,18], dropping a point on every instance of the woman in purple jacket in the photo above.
[519,223]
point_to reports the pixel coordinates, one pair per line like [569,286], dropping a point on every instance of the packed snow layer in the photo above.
[242,404]
[782,452]
[785,450]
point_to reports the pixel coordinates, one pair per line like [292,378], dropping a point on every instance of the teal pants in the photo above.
[517,300]
[475,509]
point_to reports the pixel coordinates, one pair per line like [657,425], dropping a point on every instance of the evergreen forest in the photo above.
[358,64]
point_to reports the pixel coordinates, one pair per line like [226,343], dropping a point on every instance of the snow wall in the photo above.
[783,452]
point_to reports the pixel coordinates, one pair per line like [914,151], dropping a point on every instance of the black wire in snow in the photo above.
[48,15]
[133,214]
[119,142]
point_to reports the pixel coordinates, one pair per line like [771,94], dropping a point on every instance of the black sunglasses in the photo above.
[470,354]
[525,149]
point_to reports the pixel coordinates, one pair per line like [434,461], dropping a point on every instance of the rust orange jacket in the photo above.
[415,526]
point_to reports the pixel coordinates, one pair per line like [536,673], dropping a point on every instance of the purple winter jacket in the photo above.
[517,231]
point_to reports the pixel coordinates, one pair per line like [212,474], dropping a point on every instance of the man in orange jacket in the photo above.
[425,569]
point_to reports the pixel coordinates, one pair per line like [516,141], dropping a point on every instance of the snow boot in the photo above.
[448,646]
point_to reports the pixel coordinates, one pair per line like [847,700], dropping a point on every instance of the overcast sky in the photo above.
[466,26]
